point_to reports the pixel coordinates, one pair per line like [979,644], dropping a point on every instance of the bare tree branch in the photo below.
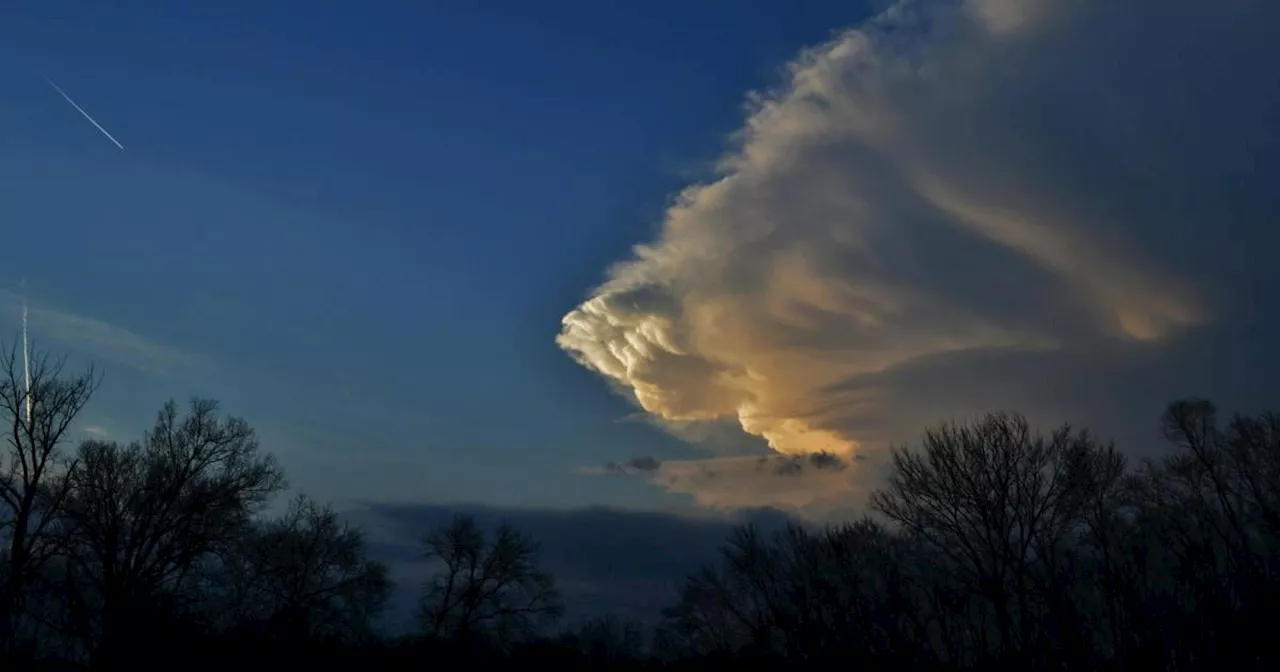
[143,516]
[38,404]
[486,589]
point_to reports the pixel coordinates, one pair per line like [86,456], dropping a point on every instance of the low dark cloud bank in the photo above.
[606,561]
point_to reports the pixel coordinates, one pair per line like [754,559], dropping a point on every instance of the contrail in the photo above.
[26,354]
[81,111]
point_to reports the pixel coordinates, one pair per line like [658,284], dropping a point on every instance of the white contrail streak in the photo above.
[81,111]
[26,355]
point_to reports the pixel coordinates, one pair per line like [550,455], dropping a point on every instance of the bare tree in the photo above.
[1230,476]
[144,516]
[726,609]
[305,573]
[38,404]
[802,594]
[704,621]
[1002,505]
[1214,506]
[610,640]
[485,588]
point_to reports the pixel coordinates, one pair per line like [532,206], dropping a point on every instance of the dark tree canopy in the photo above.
[304,573]
[988,546]
[1001,505]
[38,403]
[485,587]
[142,517]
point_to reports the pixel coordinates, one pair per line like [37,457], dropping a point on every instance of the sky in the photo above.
[359,226]
[691,259]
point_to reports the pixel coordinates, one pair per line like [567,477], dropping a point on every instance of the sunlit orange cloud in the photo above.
[883,209]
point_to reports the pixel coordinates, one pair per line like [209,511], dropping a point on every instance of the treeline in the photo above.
[990,546]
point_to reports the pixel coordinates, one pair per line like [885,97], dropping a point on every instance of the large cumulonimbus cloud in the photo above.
[948,206]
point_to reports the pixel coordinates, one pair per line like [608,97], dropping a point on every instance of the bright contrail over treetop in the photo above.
[81,111]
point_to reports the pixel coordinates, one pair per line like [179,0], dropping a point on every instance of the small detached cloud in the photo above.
[814,485]
[638,465]
[792,465]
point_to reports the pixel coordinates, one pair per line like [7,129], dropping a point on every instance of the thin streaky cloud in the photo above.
[102,339]
[97,431]
[82,112]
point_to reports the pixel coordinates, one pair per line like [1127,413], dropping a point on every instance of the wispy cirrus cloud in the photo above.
[101,340]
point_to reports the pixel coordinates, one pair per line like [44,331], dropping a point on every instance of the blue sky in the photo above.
[358,225]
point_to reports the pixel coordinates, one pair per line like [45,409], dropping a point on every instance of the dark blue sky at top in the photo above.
[365,220]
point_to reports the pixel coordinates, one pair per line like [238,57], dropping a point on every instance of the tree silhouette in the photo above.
[1002,506]
[1211,566]
[487,589]
[142,517]
[1094,566]
[992,546]
[38,404]
[799,595]
[304,574]
[609,640]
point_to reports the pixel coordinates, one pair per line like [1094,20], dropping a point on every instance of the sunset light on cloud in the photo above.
[887,206]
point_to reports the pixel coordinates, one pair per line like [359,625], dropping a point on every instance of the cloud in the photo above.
[102,339]
[606,561]
[636,465]
[821,485]
[945,196]
[721,435]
